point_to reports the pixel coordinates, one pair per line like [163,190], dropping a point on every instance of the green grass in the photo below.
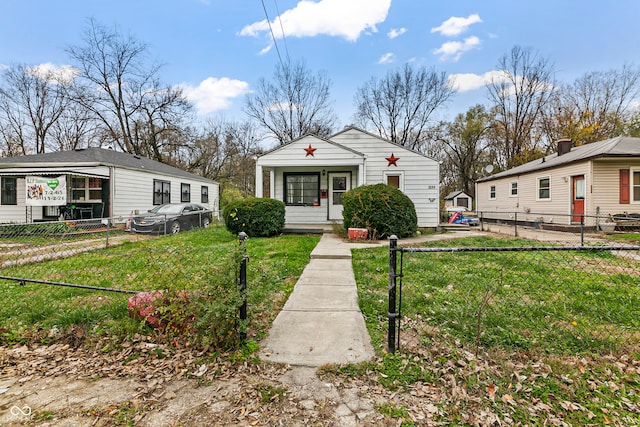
[550,329]
[185,261]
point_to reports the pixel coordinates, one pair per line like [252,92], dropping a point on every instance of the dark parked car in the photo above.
[171,218]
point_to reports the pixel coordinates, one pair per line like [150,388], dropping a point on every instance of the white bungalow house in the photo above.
[310,174]
[595,179]
[94,183]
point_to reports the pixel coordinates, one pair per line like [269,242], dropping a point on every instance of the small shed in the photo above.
[459,198]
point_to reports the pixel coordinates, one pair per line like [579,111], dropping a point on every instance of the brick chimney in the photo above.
[564,146]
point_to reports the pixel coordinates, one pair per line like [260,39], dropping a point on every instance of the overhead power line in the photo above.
[271,31]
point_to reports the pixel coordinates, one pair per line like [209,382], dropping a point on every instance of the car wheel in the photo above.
[175,227]
[205,222]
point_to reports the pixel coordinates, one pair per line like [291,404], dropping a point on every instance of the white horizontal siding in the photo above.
[133,191]
[421,175]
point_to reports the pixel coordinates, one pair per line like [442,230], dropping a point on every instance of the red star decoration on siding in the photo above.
[310,151]
[393,160]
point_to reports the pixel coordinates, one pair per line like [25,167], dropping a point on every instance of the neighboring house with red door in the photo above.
[310,174]
[595,179]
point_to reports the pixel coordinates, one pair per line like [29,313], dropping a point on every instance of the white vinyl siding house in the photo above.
[100,183]
[348,159]
[548,188]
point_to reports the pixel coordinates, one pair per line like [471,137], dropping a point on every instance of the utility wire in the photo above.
[272,35]
[286,48]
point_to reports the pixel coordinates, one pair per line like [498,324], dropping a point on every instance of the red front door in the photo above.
[577,195]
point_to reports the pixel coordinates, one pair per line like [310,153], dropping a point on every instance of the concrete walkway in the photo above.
[321,321]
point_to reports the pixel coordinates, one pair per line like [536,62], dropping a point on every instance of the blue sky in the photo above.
[217,50]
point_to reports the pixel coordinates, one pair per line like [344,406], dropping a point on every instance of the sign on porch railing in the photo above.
[46,191]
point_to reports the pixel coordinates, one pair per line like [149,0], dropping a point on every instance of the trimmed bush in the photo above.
[380,208]
[256,217]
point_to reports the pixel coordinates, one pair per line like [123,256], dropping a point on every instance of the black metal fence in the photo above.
[518,292]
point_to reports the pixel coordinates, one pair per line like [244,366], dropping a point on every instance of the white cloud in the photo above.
[214,94]
[454,50]
[466,82]
[348,19]
[455,25]
[64,74]
[387,58]
[396,32]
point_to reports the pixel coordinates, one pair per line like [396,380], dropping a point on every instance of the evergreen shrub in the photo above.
[381,209]
[258,217]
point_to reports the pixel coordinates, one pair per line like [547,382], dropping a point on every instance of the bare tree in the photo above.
[518,94]
[122,90]
[31,102]
[594,107]
[226,152]
[466,141]
[295,103]
[399,106]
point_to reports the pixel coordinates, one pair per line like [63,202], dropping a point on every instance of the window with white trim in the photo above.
[492,192]
[204,194]
[185,193]
[514,189]
[86,189]
[635,186]
[161,192]
[301,189]
[544,188]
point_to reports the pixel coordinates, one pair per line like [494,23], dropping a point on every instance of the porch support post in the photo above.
[272,183]
[258,180]
[361,172]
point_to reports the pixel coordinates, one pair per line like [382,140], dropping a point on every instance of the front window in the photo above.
[514,188]
[544,188]
[185,193]
[492,192]
[635,189]
[161,192]
[85,189]
[9,191]
[394,181]
[301,189]
[204,194]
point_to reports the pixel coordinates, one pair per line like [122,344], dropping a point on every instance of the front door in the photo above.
[577,196]
[339,182]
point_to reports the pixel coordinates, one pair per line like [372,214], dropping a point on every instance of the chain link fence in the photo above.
[58,274]
[542,292]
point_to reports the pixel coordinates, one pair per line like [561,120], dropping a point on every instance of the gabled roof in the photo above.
[285,146]
[455,194]
[94,157]
[352,127]
[622,146]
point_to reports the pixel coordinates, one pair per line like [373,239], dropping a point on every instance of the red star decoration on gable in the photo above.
[393,160]
[310,151]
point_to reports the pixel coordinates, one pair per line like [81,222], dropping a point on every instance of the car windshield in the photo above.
[167,209]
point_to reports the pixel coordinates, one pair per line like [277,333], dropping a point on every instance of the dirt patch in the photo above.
[145,384]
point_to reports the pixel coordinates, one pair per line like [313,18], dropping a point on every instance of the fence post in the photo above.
[515,224]
[243,286]
[582,230]
[391,335]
